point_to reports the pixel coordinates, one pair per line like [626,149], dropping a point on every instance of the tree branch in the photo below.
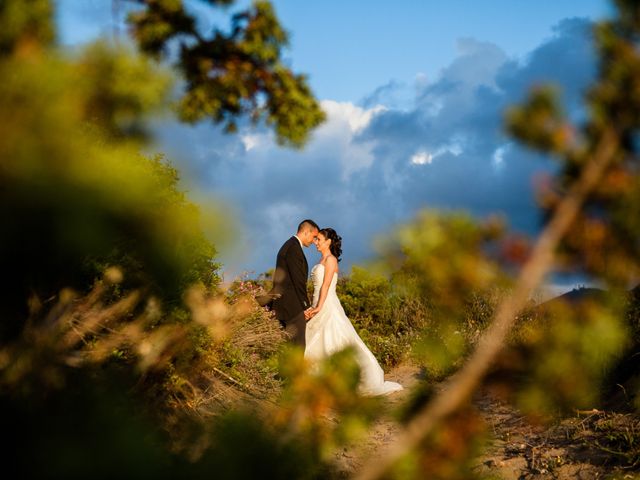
[461,385]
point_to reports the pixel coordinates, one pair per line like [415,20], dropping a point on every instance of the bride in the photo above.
[329,330]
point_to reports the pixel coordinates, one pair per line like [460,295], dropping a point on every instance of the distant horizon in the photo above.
[544,292]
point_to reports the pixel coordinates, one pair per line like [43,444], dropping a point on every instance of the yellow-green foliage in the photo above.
[26,25]
[76,191]
[568,349]
[387,319]
[441,262]
[122,89]
[319,391]
[76,196]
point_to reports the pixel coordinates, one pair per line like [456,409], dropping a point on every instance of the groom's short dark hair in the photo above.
[307,223]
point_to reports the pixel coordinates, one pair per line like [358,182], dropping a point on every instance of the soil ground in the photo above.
[590,445]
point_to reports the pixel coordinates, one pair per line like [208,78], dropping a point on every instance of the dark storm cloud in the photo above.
[457,124]
[370,167]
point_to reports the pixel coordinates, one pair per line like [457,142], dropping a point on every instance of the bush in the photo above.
[76,195]
[387,319]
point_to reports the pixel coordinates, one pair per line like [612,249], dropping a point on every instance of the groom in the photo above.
[290,281]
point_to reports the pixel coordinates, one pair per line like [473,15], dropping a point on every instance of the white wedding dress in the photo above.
[330,331]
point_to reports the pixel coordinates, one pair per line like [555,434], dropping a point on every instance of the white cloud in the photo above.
[497,159]
[348,114]
[251,141]
[335,139]
[373,164]
[421,157]
[453,149]
[478,62]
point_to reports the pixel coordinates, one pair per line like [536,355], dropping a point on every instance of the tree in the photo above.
[592,213]
[77,197]
[233,73]
[76,194]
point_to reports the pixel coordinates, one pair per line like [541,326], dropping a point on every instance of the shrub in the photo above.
[387,319]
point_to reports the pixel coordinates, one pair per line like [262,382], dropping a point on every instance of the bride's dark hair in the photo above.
[336,241]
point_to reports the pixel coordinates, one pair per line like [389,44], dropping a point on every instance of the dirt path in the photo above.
[384,431]
[518,449]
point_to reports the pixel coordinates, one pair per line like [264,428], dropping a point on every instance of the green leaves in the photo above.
[314,393]
[159,22]
[539,123]
[232,74]
[445,252]
[76,195]
[27,26]
[443,263]
[122,89]
[563,352]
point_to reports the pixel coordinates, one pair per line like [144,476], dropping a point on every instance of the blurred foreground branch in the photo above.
[460,386]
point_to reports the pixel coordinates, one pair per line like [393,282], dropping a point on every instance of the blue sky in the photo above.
[349,48]
[414,92]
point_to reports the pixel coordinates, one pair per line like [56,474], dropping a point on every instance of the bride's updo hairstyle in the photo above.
[336,241]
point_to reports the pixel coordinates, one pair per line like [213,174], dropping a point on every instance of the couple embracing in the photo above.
[321,327]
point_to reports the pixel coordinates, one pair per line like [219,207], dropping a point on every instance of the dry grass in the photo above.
[221,355]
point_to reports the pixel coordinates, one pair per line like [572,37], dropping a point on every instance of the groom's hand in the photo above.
[308,313]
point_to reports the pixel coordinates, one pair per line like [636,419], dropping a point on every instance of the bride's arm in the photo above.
[330,267]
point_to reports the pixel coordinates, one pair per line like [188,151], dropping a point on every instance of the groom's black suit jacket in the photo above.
[290,281]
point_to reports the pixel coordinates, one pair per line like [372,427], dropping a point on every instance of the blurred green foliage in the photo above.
[77,194]
[603,240]
[26,26]
[136,376]
[448,264]
[321,405]
[449,453]
[561,356]
[562,352]
[79,367]
[73,404]
[387,320]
